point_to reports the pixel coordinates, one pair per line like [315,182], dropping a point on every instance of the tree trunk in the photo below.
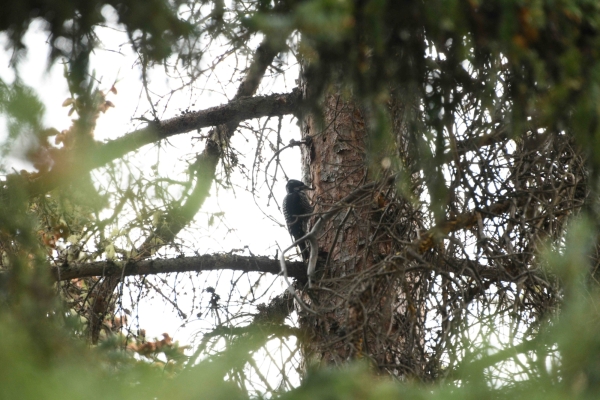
[365,307]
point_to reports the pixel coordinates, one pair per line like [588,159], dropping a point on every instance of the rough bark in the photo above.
[349,323]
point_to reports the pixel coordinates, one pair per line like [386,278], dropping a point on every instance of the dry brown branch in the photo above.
[463,221]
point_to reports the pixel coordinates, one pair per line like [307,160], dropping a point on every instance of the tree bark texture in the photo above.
[364,307]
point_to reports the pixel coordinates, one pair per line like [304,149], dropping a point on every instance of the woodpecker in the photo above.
[295,205]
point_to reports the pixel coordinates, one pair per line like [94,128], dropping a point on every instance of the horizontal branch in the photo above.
[180,264]
[471,268]
[296,269]
[218,139]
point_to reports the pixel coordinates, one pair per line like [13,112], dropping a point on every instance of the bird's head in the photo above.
[294,185]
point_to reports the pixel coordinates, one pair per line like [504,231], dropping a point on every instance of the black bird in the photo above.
[295,205]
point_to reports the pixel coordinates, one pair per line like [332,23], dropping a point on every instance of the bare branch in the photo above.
[96,156]
[295,269]
[182,264]
[207,161]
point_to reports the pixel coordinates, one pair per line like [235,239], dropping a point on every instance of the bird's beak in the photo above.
[304,187]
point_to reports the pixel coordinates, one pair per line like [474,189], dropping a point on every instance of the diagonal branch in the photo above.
[218,141]
[205,168]
[73,165]
[463,221]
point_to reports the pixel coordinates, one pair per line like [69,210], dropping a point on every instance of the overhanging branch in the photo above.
[101,154]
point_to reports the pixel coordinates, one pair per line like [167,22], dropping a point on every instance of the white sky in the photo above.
[114,62]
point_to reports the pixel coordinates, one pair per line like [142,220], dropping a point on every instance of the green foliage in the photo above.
[153,26]
[543,53]
[70,24]
[42,359]
[48,364]
[22,109]
[21,106]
